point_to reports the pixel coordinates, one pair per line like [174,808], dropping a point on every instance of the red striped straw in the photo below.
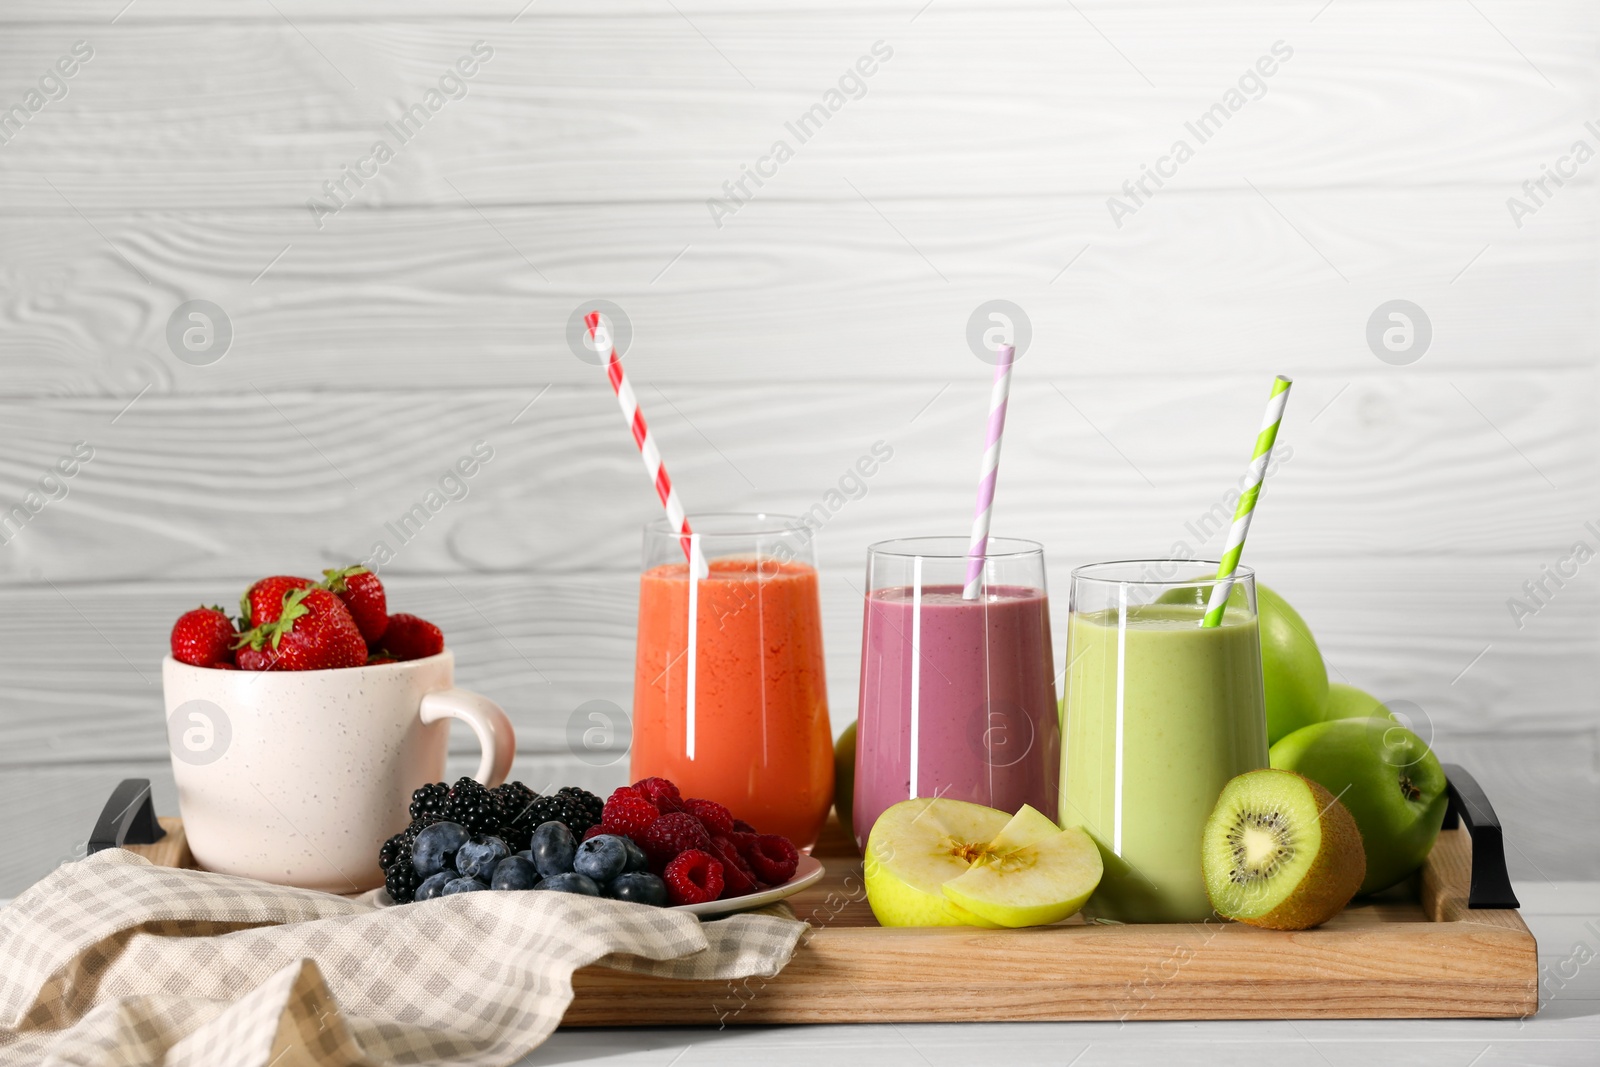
[647,444]
[991,470]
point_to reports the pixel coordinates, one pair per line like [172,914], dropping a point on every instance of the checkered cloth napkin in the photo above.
[111,961]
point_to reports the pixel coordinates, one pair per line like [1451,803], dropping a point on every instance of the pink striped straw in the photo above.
[991,469]
[647,446]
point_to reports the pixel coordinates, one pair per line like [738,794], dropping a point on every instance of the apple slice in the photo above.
[917,846]
[1032,874]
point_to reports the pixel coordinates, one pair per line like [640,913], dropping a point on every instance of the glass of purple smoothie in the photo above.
[958,697]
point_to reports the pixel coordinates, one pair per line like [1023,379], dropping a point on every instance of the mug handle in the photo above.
[487,720]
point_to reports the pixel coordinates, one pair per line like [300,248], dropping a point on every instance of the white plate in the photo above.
[806,873]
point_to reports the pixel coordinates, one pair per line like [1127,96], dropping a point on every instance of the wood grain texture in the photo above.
[1198,284]
[1373,960]
[1427,958]
[263,112]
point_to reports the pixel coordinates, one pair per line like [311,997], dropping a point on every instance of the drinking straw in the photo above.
[648,451]
[991,467]
[1247,502]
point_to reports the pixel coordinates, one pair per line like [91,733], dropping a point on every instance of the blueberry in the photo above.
[602,857]
[462,885]
[640,888]
[435,847]
[514,873]
[434,884]
[570,883]
[637,860]
[476,858]
[553,848]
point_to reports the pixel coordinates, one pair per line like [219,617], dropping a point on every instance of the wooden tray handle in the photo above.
[129,818]
[1491,885]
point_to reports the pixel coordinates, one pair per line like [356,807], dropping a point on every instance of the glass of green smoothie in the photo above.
[1160,712]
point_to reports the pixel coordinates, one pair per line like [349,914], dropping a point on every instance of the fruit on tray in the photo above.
[288,623]
[1292,670]
[1019,870]
[1281,852]
[1348,702]
[627,848]
[1387,777]
[844,775]
[445,818]
[917,846]
[1032,874]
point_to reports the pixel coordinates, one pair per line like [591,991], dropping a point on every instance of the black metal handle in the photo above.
[1491,885]
[129,818]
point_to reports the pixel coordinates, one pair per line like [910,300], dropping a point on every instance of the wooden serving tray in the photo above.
[1436,952]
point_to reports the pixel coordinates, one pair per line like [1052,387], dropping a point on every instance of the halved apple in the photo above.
[1031,874]
[917,846]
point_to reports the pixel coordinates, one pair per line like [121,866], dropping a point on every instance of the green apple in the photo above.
[1348,702]
[915,848]
[1292,670]
[1387,777]
[844,775]
[1032,874]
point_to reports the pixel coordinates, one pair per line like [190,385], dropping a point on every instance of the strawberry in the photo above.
[204,638]
[363,594]
[263,601]
[409,637]
[376,658]
[255,659]
[314,632]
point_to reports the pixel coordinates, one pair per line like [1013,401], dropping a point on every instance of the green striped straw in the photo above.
[1247,502]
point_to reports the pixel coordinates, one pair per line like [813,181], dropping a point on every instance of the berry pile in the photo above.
[700,850]
[647,844]
[295,624]
[510,815]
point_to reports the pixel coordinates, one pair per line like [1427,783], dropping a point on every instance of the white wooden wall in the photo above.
[828,313]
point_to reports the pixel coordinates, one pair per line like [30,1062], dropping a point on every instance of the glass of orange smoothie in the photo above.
[729,696]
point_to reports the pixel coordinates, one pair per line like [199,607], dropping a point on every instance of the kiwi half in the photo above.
[1280,851]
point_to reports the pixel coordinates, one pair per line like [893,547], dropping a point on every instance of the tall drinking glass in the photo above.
[729,696]
[1160,713]
[958,697]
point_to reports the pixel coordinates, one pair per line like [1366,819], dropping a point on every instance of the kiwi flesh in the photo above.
[1281,852]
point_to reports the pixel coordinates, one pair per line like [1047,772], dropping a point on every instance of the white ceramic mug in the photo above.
[298,777]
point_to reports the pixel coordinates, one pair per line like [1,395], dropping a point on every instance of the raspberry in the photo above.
[743,827]
[628,813]
[693,878]
[671,834]
[713,816]
[737,877]
[662,793]
[594,831]
[773,858]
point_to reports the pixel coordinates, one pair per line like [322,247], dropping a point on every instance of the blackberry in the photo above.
[578,808]
[395,859]
[473,806]
[429,800]
[401,881]
[514,798]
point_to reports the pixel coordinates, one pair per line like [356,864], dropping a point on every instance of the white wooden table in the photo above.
[1564,916]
